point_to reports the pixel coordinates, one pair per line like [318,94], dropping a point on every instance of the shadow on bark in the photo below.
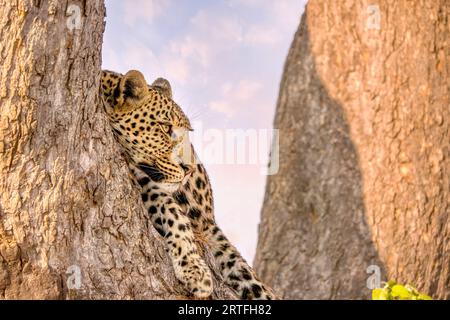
[314,240]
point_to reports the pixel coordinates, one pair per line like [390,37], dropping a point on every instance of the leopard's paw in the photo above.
[268,294]
[255,290]
[195,275]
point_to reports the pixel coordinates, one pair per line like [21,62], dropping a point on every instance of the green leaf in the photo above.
[399,291]
[394,291]
[380,294]
[412,290]
[424,297]
[391,283]
[376,294]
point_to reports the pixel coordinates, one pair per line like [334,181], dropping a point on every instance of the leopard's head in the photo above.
[150,126]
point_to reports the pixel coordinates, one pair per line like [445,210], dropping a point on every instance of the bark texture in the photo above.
[71,223]
[364,121]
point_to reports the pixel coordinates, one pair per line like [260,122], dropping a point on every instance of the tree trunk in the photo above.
[71,222]
[363,114]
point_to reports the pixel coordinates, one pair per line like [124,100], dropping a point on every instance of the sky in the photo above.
[224,60]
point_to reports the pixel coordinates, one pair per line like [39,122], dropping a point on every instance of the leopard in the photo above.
[153,133]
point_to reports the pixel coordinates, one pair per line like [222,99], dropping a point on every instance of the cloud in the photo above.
[197,49]
[246,89]
[146,9]
[280,13]
[177,68]
[218,27]
[207,35]
[222,106]
[141,57]
[226,88]
[235,97]
[284,13]
[262,35]
[192,48]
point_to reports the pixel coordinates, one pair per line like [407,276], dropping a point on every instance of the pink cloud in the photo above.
[144,9]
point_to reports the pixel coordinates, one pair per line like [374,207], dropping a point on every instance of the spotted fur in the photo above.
[175,189]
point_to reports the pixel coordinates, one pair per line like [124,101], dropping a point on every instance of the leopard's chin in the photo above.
[174,186]
[170,187]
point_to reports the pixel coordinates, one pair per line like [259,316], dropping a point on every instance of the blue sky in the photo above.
[224,60]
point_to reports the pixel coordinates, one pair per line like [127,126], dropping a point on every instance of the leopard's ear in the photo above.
[132,87]
[163,86]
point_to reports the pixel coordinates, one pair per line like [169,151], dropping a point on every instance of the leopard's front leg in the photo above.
[235,270]
[195,198]
[176,229]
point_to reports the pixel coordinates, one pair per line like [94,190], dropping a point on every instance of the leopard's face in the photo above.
[150,126]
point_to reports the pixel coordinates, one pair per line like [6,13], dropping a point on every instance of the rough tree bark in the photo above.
[67,206]
[364,121]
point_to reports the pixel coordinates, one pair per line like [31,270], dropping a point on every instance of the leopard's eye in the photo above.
[167,128]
